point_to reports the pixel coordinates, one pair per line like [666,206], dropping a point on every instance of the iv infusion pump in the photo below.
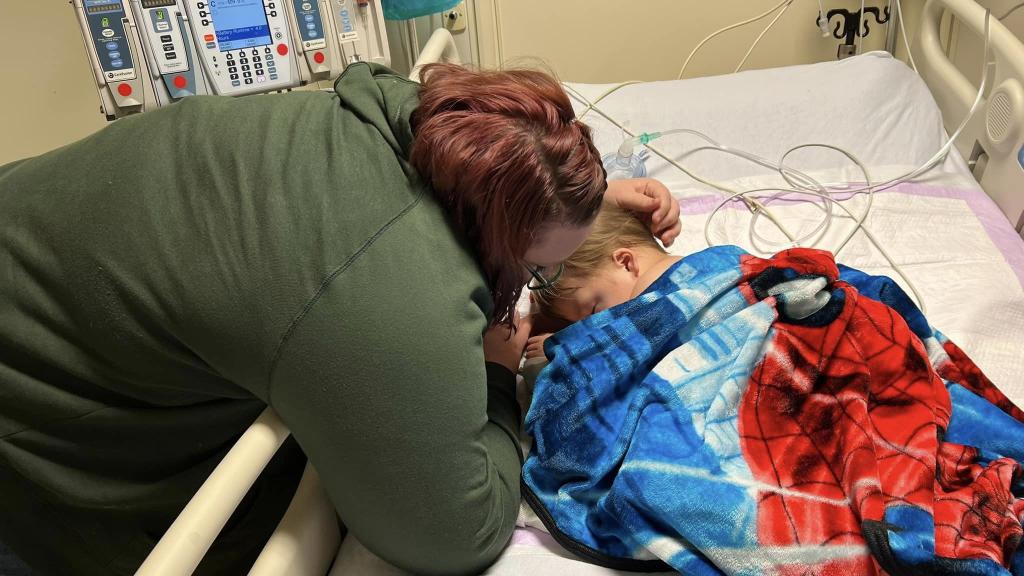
[150,53]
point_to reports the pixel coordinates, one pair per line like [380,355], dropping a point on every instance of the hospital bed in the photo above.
[953,236]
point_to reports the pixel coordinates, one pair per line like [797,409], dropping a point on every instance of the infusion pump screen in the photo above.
[240,23]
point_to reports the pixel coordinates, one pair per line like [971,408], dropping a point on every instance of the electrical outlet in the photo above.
[455,19]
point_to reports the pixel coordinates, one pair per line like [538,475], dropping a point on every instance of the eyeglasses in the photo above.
[542,276]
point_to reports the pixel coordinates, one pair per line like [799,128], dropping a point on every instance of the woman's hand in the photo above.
[535,346]
[505,348]
[652,200]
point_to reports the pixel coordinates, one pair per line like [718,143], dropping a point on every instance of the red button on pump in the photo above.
[180,81]
[124,90]
[282,49]
[208,37]
[319,57]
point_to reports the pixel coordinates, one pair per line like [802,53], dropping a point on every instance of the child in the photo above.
[618,261]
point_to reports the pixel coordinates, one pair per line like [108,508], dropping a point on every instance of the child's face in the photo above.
[610,286]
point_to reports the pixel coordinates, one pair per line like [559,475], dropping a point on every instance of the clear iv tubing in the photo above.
[809,186]
[903,32]
[942,152]
[792,176]
[762,35]
[726,29]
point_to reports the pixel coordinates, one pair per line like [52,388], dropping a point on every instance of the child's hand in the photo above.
[535,346]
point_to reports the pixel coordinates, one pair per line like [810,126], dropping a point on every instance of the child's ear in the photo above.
[626,259]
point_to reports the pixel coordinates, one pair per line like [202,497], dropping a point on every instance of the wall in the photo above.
[586,40]
[615,40]
[47,98]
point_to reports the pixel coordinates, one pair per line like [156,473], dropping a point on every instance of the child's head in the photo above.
[605,270]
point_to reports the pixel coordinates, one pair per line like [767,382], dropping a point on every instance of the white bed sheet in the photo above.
[871,105]
[943,231]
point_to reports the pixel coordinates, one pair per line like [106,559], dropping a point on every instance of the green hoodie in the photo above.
[166,278]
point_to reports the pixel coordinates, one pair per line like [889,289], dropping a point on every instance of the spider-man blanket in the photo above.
[783,416]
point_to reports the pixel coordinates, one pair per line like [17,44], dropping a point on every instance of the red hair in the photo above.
[504,155]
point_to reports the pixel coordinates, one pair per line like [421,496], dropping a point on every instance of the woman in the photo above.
[335,256]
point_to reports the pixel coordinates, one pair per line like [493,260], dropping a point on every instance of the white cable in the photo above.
[860,30]
[944,150]
[723,30]
[903,32]
[859,225]
[499,43]
[751,203]
[761,35]
[605,94]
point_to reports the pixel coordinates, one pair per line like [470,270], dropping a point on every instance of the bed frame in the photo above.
[307,539]
[993,141]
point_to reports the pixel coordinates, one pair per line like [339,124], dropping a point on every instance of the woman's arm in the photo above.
[385,388]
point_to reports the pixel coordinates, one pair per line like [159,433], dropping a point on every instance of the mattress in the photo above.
[946,236]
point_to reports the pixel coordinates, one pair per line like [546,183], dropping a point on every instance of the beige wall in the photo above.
[47,98]
[615,40]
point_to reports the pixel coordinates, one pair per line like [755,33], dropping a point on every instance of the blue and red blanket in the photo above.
[781,416]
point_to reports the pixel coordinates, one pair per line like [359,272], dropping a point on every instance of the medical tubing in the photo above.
[944,150]
[860,30]
[722,31]
[903,32]
[757,40]
[799,182]
[751,203]
[788,174]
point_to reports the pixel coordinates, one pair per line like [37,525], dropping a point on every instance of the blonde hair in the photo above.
[614,228]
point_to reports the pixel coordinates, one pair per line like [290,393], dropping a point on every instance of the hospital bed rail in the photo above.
[993,141]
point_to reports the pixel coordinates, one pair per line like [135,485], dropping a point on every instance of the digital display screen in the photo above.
[157,3]
[101,8]
[240,23]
